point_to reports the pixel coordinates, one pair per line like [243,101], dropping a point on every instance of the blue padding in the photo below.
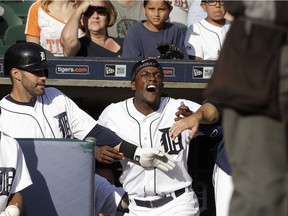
[120,69]
[63,175]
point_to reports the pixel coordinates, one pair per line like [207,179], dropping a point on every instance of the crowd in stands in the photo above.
[171,29]
[102,33]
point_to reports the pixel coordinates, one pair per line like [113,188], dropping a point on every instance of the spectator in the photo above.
[142,38]
[45,22]
[14,175]
[129,12]
[96,16]
[204,39]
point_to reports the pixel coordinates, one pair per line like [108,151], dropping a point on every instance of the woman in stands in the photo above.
[45,22]
[96,17]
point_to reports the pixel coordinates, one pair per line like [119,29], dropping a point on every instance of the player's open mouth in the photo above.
[151,88]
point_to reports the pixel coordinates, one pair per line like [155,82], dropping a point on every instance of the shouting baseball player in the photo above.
[145,120]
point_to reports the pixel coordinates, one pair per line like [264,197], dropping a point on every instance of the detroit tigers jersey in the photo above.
[150,131]
[46,27]
[205,40]
[54,115]
[14,175]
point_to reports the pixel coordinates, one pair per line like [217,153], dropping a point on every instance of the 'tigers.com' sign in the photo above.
[72,69]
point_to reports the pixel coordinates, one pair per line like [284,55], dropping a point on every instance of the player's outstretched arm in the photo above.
[145,157]
[206,114]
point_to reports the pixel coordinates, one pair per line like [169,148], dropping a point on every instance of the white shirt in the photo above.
[205,40]
[46,27]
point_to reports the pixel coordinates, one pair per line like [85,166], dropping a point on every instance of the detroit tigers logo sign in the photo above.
[170,146]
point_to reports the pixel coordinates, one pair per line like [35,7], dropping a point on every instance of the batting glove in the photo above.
[149,157]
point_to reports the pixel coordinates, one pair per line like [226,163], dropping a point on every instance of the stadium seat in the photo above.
[21,8]
[7,19]
[14,34]
[3,49]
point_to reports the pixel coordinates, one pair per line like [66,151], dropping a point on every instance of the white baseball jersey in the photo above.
[46,27]
[205,40]
[54,115]
[14,175]
[150,131]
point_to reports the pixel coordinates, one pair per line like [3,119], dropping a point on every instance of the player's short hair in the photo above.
[150,62]
[26,56]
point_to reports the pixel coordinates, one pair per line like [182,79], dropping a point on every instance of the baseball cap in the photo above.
[150,62]
[25,56]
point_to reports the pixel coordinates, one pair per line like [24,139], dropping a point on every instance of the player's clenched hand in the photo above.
[149,157]
[107,154]
[181,3]
[183,111]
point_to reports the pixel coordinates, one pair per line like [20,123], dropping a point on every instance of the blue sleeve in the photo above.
[211,130]
[132,44]
[104,136]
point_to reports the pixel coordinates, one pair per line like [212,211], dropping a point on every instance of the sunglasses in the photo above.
[101,11]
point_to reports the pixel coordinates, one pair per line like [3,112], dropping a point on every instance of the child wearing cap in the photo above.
[205,38]
[143,37]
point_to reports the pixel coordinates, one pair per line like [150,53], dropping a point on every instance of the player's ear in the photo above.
[132,86]
[16,73]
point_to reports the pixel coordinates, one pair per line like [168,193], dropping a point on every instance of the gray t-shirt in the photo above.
[127,16]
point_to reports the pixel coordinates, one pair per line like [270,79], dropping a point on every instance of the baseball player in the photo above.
[204,39]
[209,113]
[144,121]
[33,111]
[14,176]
